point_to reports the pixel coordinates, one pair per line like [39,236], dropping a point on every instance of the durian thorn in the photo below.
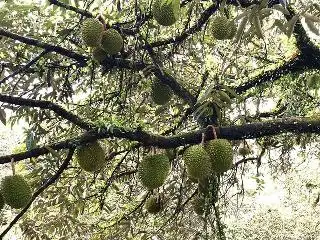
[213,131]
[13,166]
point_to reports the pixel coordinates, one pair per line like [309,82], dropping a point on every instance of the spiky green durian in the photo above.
[198,204]
[221,154]
[92,32]
[98,54]
[314,81]
[153,205]
[160,92]
[197,162]
[1,201]
[91,157]
[221,28]
[153,170]
[244,151]
[111,41]
[15,191]
[167,12]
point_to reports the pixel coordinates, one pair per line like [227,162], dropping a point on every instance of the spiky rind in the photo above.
[98,54]
[16,191]
[92,32]
[112,41]
[222,28]
[197,162]
[160,92]
[153,170]
[166,14]
[221,154]
[91,157]
[153,205]
[314,81]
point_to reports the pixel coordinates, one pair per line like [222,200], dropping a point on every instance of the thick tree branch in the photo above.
[49,106]
[294,65]
[246,131]
[49,47]
[51,181]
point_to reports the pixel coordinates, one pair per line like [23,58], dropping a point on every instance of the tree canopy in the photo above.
[133,85]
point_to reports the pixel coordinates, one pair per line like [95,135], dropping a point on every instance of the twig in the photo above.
[49,47]
[49,106]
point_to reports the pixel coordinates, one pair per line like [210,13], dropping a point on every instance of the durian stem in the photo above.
[12,166]
[202,140]
[102,20]
[214,131]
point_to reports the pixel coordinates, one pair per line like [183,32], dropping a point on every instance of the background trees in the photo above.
[65,99]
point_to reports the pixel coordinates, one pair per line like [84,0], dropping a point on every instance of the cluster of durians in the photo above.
[211,158]
[15,192]
[103,41]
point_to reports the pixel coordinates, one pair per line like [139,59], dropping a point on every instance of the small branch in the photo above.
[71,8]
[49,106]
[195,28]
[25,67]
[49,47]
[39,191]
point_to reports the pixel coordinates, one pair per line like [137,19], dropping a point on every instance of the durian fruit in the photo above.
[91,157]
[16,191]
[314,81]
[92,32]
[111,41]
[153,205]
[153,170]
[197,162]
[160,92]
[1,201]
[221,154]
[244,151]
[222,28]
[165,13]
[198,204]
[98,54]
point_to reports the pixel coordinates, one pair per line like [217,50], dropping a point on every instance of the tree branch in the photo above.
[52,180]
[246,131]
[49,47]
[49,106]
